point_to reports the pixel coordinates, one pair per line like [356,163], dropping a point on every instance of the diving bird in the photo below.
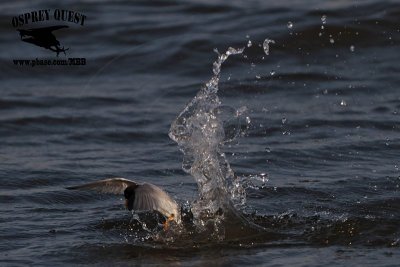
[43,37]
[140,197]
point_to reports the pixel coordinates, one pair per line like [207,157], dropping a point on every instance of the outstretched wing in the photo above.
[41,31]
[47,29]
[151,197]
[108,186]
[57,27]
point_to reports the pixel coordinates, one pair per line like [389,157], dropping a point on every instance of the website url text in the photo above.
[50,62]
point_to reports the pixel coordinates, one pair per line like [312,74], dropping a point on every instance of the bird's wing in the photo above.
[57,27]
[47,29]
[108,186]
[151,197]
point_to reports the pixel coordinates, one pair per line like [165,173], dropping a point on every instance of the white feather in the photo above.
[151,197]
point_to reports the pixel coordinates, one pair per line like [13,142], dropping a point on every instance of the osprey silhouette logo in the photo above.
[43,37]
[40,33]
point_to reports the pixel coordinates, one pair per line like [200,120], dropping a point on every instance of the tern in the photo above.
[138,197]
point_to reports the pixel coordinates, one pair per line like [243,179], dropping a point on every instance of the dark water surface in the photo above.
[318,153]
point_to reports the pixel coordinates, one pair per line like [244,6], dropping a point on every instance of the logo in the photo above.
[43,37]
[41,28]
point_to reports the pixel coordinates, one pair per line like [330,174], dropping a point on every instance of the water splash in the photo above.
[249,44]
[266,45]
[199,132]
[323,19]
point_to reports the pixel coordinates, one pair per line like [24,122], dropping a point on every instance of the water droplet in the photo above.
[343,103]
[266,45]
[325,92]
[264,179]
[323,19]
[258,77]
[331,40]
[290,25]
[233,51]
[216,50]
[248,120]
[272,72]
[247,36]
[284,120]
[249,44]
[268,150]
[395,242]
[223,57]
[352,48]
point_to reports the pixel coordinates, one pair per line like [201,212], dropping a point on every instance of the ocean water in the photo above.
[298,144]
